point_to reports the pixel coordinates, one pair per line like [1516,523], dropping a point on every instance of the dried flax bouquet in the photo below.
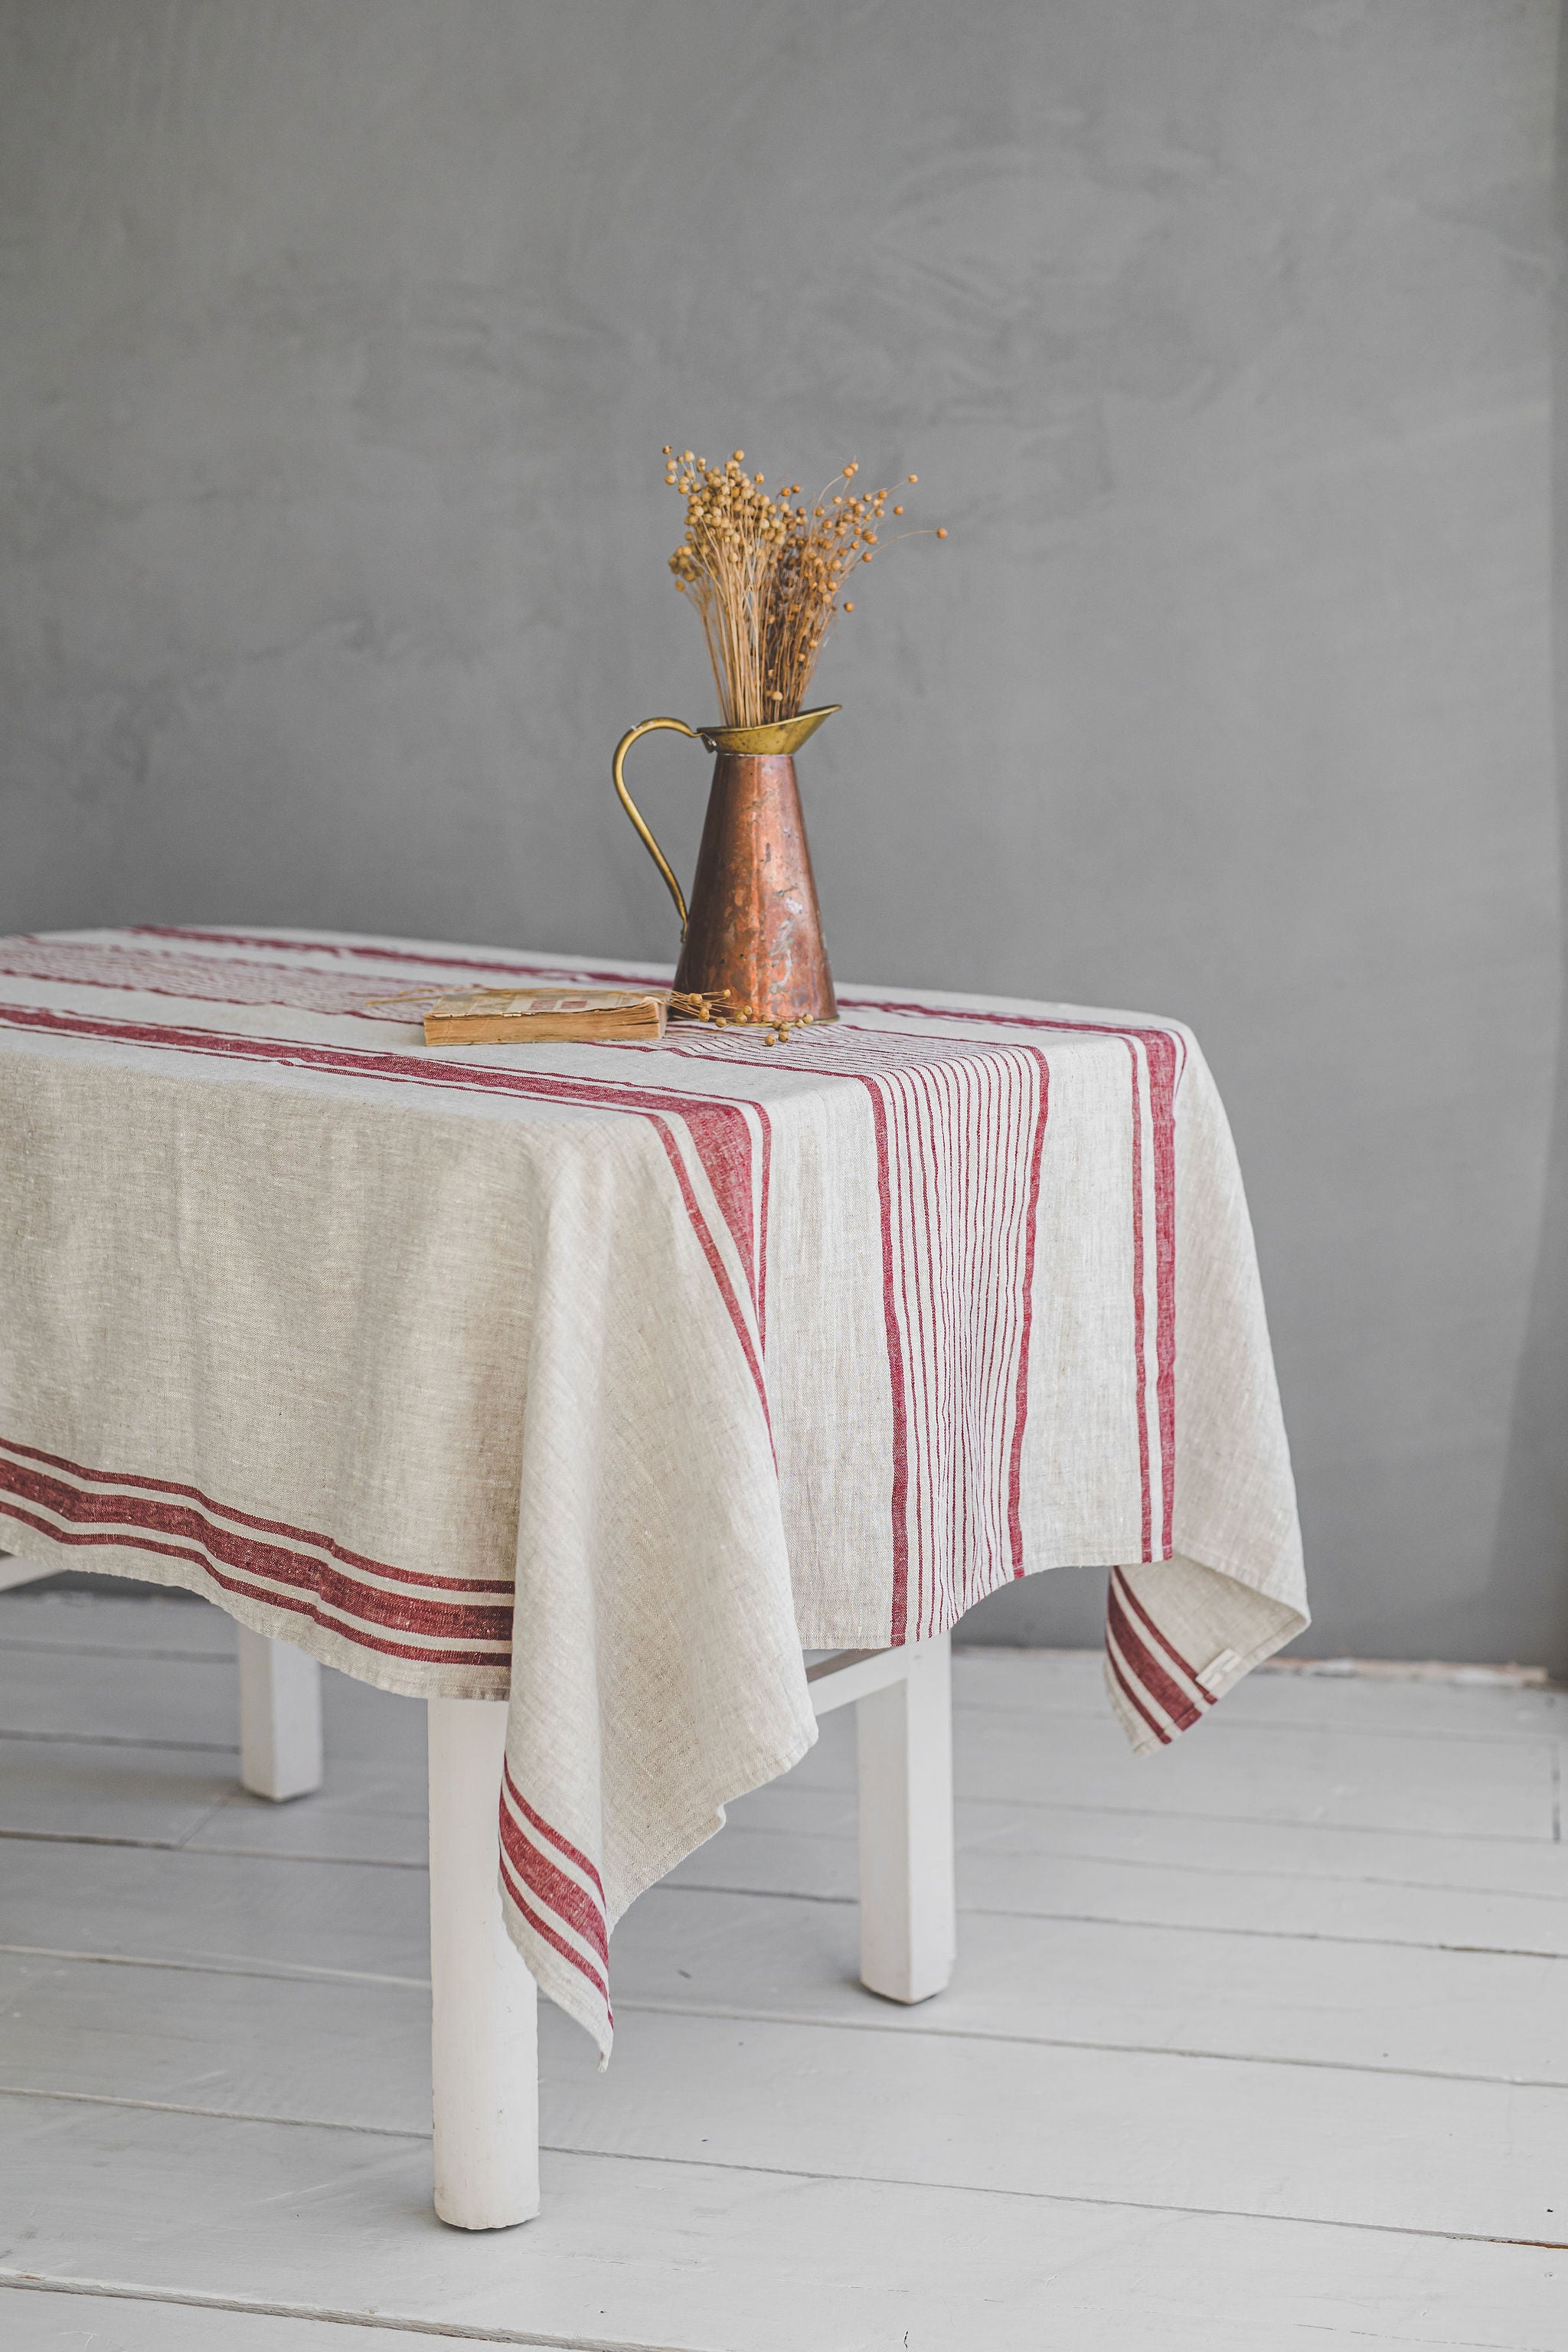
[767,576]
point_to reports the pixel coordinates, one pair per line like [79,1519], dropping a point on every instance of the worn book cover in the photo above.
[500,1016]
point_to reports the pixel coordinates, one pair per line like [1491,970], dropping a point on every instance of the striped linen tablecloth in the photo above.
[603,1378]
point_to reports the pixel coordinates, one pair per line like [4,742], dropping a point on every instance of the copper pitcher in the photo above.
[753,928]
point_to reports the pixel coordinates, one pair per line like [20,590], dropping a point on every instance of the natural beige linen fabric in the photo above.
[671,1359]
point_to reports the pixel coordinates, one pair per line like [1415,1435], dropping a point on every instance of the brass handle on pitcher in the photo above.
[632,810]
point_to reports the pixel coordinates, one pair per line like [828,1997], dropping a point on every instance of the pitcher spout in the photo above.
[780,735]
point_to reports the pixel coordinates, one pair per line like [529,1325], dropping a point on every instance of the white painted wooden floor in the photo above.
[1256,2047]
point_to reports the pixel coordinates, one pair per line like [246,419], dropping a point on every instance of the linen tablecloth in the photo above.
[603,1378]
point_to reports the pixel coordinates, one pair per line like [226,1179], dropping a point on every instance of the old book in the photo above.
[542,1016]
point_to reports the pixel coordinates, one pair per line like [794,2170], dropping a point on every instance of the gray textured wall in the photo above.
[338,343]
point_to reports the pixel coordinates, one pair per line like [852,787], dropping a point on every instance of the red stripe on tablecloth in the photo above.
[1158,1635]
[104,1538]
[958,1099]
[900,1615]
[1166,1052]
[280,1527]
[760,1245]
[1021,1399]
[548,1829]
[904,1162]
[149,1516]
[1160,1048]
[1134,1696]
[85,977]
[971,1501]
[345,1060]
[1012,1020]
[561,1896]
[552,1936]
[716,1264]
[957,1299]
[1139,1355]
[1143,1662]
[368,1061]
[359,951]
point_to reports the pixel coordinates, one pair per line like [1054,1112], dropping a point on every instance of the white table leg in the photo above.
[908,1916]
[279,1718]
[484,2041]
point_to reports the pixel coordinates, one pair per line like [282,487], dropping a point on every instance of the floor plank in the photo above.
[1072,1682]
[320,2051]
[1104,1983]
[1502,1785]
[708,2258]
[175,1623]
[68,2322]
[365,1814]
[216,1909]
[1426,1857]
[1391,2153]
[55,2320]
[102,1694]
[233,2040]
[68,1789]
[909,2095]
[1018,1863]
[913,2105]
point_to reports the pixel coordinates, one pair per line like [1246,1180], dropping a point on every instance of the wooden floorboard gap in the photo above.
[240,1852]
[225,1658]
[809,2021]
[117,1739]
[1184,1869]
[1034,2197]
[1350,2066]
[1237,1821]
[209,1965]
[451,2330]
[1064,2197]
[1216,1726]
[280,1853]
[210,2115]
[1143,1926]
[1129,1863]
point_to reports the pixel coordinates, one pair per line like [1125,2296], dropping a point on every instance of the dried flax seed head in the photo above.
[767,575]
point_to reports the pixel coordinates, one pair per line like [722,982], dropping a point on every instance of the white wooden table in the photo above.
[887,1187]
[484,2003]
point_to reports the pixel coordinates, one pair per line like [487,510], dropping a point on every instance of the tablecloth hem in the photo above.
[1154,1706]
[872,1633]
[564,1961]
[404,1677]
